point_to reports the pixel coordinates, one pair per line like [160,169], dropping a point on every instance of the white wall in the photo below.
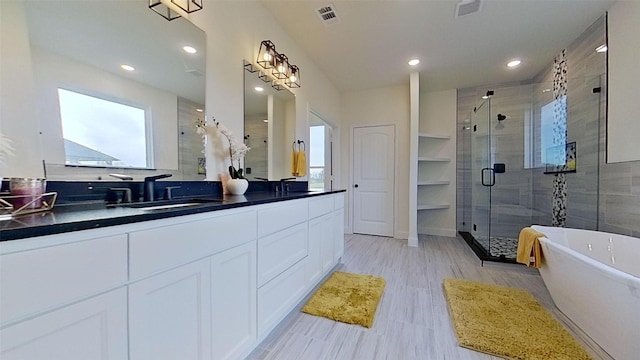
[234,31]
[383,106]
[17,121]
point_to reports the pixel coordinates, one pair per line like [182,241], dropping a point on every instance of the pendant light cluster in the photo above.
[284,73]
[173,9]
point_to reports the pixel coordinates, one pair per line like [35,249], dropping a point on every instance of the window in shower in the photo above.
[553,133]
[544,135]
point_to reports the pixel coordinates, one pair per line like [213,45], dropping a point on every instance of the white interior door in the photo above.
[373,180]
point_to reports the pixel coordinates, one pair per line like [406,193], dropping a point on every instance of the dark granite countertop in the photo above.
[91,215]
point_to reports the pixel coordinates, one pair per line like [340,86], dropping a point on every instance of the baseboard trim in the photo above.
[401,235]
[412,242]
[438,232]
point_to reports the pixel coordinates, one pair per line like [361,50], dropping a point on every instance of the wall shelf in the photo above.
[439,182]
[434,136]
[433,206]
[433,159]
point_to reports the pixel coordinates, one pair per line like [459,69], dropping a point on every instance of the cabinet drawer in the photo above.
[320,205]
[279,251]
[35,280]
[279,296]
[338,201]
[162,247]
[282,215]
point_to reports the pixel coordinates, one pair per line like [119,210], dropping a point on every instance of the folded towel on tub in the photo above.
[529,251]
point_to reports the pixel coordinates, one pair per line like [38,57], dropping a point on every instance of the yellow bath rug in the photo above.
[348,298]
[507,322]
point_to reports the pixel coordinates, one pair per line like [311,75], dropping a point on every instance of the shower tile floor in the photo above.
[500,246]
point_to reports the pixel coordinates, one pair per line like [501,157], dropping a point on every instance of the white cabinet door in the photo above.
[321,239]
[92,329]
[314,259]
[233,293]
[170,314]
[338,234]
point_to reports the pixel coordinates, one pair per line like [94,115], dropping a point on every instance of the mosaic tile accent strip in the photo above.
[559,206]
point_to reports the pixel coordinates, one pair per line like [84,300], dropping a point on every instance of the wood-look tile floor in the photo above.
[412,321]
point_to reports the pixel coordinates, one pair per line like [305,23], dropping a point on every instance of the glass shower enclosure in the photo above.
[501,182]
[509,182]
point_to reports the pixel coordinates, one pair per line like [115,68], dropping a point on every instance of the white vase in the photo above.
[237,186]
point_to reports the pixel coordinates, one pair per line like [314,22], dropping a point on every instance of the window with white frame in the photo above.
[316,157]
[101,132]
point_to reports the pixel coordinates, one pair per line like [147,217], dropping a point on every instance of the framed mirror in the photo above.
[81,49]
[269,126]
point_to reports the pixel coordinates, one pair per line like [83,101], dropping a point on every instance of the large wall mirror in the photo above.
[269,127]
[77,49]
[623,82]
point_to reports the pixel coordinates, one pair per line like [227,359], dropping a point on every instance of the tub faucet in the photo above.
[150,186]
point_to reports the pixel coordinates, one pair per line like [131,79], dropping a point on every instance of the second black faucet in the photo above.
[150,186]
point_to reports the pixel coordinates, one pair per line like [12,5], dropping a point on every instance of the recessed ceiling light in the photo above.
[127,67]
[601,48]
[414,62]
[199,110]
[258,89]
[189,49]
[514,63]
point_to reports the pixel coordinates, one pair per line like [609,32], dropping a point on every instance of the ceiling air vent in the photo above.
[466,7]
[328,14]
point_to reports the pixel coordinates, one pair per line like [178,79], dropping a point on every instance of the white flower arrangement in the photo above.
[237,150]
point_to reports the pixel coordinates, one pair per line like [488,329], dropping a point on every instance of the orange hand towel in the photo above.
[294,163]
[529,251]
[302,163]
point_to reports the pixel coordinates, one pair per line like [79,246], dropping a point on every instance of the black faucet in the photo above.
[150,186]
[282,184]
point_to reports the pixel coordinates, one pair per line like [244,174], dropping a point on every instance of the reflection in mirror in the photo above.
[81,48]
[269,127]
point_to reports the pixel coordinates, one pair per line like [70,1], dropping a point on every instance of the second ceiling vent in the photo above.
[466,7]
[328,15]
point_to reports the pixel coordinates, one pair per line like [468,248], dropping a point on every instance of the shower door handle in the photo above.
[492,179]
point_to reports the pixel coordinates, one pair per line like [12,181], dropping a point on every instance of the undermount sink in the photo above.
[161,207]
[169,204]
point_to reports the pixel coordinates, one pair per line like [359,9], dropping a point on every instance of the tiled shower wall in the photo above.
[599,195]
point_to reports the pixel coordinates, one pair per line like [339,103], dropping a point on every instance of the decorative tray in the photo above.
[27,204]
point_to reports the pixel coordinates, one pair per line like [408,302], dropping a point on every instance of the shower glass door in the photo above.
[481,175]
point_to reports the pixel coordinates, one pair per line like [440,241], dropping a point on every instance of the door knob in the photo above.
[356,185]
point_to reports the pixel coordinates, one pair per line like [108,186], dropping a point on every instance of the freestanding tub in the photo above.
[594,279]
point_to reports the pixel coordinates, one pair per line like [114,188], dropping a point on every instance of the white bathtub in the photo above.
[594,279]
